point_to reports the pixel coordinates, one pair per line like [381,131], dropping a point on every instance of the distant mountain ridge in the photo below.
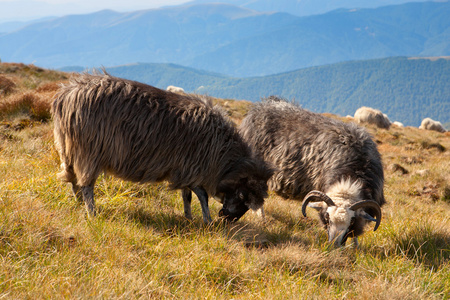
[406,89]
[232,40]
[26,10]
[412,29]
[306,7]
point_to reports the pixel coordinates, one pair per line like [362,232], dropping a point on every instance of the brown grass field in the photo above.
[141,246]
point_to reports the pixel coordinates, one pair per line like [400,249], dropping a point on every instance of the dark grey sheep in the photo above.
[143,134]
[335,167]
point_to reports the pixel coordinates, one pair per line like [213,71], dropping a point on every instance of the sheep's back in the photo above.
[310,150]
[144,134]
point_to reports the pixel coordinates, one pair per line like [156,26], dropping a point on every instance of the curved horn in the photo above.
[369,204]
[316,196]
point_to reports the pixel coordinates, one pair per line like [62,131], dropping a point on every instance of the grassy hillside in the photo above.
[140,245]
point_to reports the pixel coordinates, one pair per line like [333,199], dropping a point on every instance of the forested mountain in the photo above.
[232,40]
[163,75]
[406,89]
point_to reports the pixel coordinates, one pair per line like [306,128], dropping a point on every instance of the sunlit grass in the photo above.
[141,246]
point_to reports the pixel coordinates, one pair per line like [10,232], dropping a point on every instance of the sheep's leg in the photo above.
[187,197]
[355,242]
[77,191]
[88,197]
[203,198]
[68,175]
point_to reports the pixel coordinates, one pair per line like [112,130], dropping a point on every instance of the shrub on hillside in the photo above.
[32,104]
[6,85]
[48,87]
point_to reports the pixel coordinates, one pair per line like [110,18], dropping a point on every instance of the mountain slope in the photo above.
[158,35]
[408,90]
[405,30]
[163,75]
[232,40]
[307,7]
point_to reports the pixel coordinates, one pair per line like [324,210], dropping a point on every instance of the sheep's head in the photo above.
[342,221]
[238,199]
[246,193]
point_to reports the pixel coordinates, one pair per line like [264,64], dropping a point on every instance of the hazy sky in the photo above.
[23,10]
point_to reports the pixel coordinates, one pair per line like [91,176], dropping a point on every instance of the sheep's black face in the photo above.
[234,206]
[242,196]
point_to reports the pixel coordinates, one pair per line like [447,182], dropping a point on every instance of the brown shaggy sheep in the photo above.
[143,134]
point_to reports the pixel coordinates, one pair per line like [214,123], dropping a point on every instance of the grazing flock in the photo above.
[144,134]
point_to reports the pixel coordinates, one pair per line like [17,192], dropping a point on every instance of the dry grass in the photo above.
[140,245]
[236,109]
[6,85]
[26,92]
[35,105]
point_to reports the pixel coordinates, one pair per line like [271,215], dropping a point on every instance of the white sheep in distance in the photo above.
[372,116]
[430,124]
[175,89]
[398,124]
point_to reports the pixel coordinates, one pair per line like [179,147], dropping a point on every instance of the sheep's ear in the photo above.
[243,181]
[317,205]
[229,185]
[226,186]
[366,216]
